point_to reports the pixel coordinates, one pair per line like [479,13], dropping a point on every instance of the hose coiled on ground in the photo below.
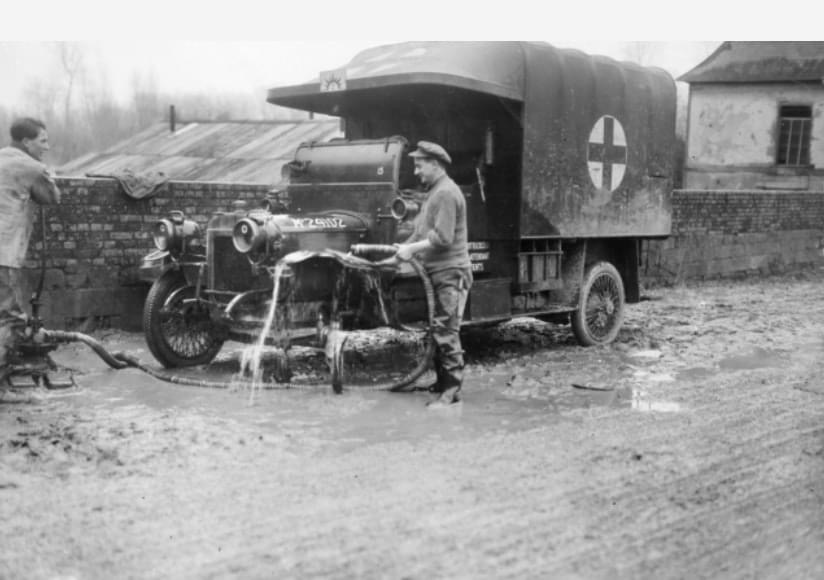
[429,292]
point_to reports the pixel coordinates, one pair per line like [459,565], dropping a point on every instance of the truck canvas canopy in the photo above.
[574,145]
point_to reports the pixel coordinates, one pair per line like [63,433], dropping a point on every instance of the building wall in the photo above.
[720,234]
[732,133]
[97,237]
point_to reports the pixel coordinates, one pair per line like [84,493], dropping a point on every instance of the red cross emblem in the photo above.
[607,153]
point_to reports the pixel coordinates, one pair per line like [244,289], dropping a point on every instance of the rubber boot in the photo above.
[449,395]
[440,381]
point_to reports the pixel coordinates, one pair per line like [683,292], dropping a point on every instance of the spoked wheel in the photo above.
[600,311]
[179,332]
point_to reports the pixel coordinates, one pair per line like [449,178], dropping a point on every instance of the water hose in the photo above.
[64,336]
[121,360]
[429,292]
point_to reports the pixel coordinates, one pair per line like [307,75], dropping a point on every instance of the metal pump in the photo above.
[30,356]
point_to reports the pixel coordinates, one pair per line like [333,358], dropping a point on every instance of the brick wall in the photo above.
[734,233]
[97,236]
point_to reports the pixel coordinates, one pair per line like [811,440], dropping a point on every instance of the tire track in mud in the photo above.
[704,500]
[315,547]
[297,543]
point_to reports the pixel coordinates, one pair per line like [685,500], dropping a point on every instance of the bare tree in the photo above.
[72,60]
[40,96]
[71,56]
[146,100]
[106,121]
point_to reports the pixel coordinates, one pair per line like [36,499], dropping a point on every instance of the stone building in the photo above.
[756,118]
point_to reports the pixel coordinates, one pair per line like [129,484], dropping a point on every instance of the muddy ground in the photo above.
[694,450]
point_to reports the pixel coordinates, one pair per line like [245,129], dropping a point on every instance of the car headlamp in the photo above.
[404,209]
[170,234]
[252,235]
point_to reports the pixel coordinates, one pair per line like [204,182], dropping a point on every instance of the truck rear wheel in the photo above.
[600,311]
[178,333]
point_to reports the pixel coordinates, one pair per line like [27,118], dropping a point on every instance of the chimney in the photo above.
[172,118]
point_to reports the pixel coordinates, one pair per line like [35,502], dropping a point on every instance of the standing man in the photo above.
[24,181]
[440,242]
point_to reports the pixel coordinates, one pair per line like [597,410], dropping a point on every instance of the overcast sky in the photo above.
[198,66]
[252,45]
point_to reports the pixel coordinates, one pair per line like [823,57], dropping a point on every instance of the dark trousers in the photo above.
[12,315]
[451,291]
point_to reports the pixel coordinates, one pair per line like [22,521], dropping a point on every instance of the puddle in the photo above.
[328,422]
[645,354]
[759,358]
[696,374]
[402,417]
[624,397]
[640,402]
[653,377]
[357,417]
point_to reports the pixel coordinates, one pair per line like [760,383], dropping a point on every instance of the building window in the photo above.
[795,126]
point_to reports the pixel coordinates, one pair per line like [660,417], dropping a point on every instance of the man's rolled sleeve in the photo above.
[44,189]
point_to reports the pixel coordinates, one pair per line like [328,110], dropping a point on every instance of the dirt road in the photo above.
[694,450]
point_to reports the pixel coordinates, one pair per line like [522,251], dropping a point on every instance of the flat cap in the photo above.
[432,151]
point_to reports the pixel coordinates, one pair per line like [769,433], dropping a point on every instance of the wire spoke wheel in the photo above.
[179,332]
[185,330]
[600,311]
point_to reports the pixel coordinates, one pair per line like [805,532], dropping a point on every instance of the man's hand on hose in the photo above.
[404,253]
[407,251]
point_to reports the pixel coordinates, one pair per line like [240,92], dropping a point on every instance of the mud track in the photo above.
[691,448]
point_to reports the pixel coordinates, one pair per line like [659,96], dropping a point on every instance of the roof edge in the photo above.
[685,78]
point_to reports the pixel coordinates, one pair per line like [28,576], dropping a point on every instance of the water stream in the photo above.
[251,357]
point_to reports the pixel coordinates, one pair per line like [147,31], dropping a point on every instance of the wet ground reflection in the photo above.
[357,417]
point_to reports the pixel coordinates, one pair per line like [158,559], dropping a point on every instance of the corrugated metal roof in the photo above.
[229,151]
[751,62]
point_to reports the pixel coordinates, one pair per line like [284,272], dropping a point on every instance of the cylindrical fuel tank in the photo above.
[356,176]
[364,161]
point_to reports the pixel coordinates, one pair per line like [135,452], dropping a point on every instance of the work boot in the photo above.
[448,397]
[440,382]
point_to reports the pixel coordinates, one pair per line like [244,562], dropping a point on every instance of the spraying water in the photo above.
[369,302]
[251,358]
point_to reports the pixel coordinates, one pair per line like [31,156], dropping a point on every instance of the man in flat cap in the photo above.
[439,241]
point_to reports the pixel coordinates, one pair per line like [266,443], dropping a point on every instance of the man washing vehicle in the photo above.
[439,241]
